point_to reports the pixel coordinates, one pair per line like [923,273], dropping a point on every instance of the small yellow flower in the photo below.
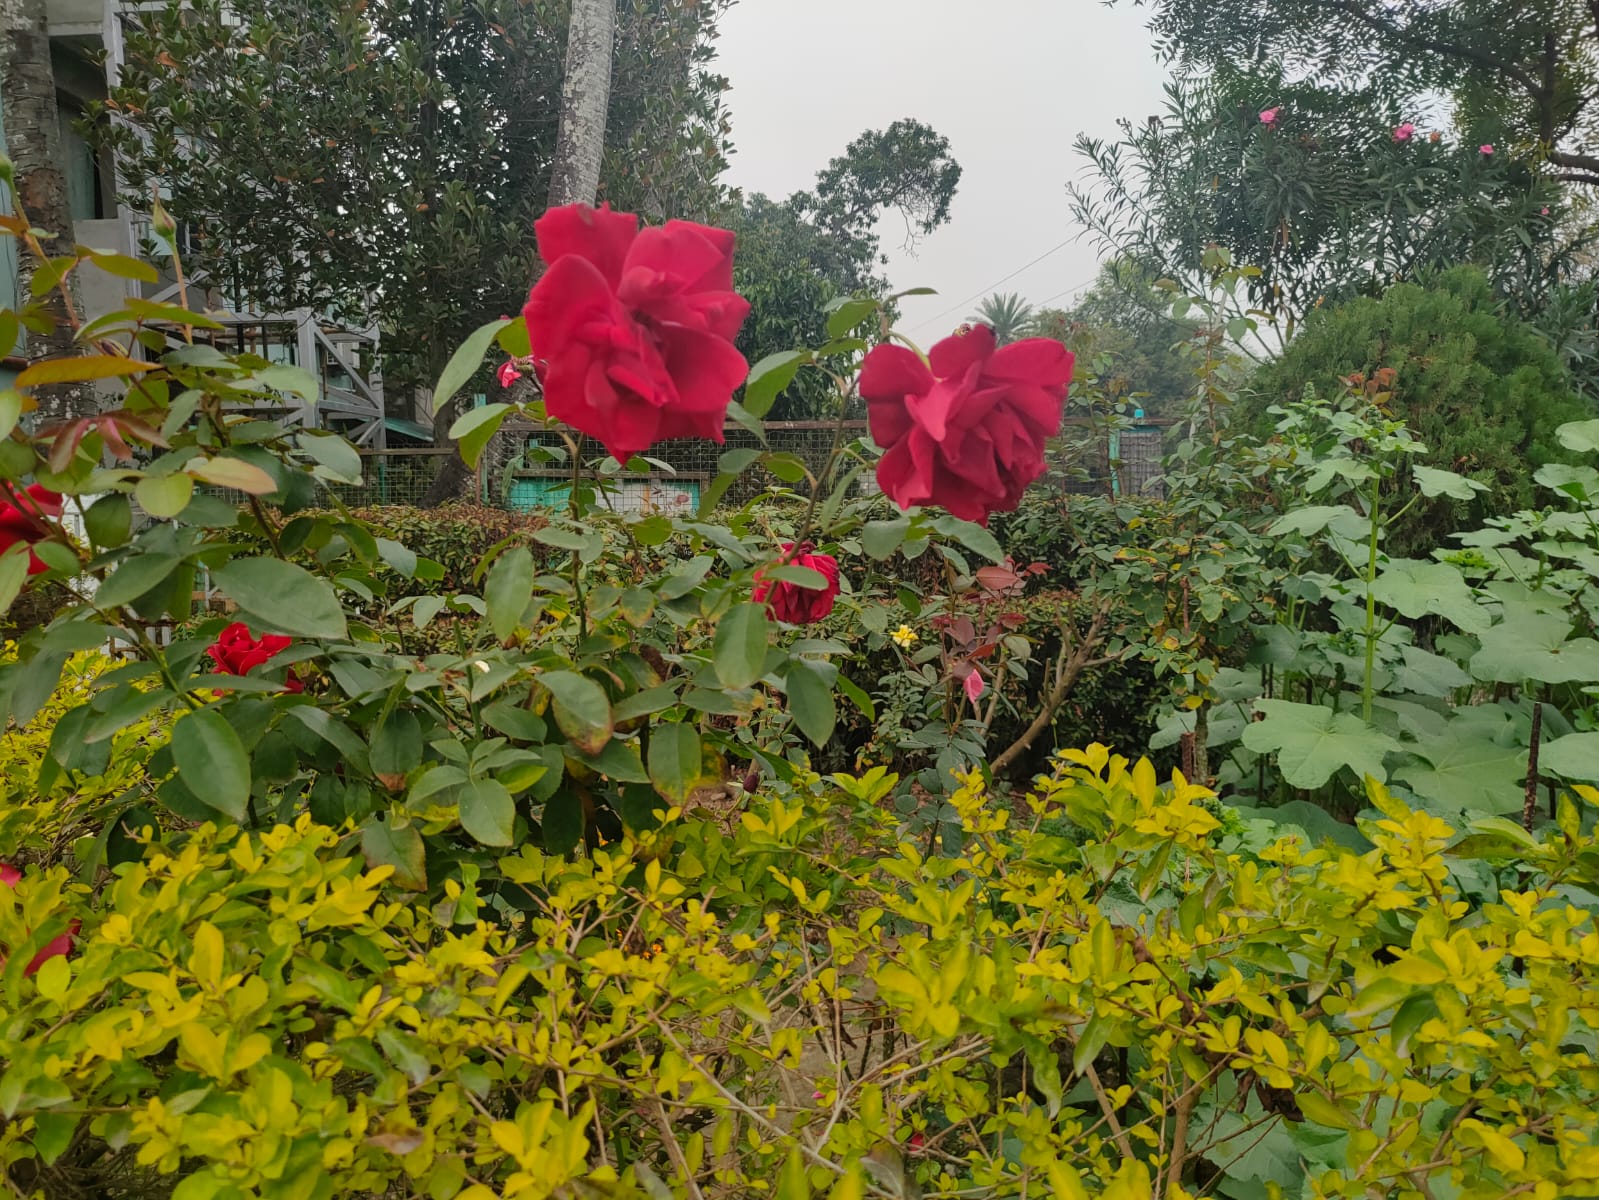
[904,637]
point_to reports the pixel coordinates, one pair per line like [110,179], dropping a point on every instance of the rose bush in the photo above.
[796,603]
[24,516]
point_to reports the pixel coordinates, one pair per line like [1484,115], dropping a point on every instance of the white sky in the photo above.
[1011,83]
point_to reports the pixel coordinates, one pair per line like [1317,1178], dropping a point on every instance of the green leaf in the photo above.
[675,758]
[280,597]
[52,1131]
[475,427]
[881,538]
[124,266]
[1417,589]
[212,763]
[1434,482]
[974,537]
[164,496]
[1581,436]
[581,709]
[736,461]
[137,576]
[1535,646]
[848,315]
[810,702]
[768,378]
[619,761]
[739,648]
[339,459]
[387,844]
[487,811]
[14,563]
[1471,767]
[508,590]
[1313,743]
[464,364]
[1575,756]
[400,559]
[109,520]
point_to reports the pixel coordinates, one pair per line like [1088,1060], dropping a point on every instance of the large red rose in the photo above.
[60,944]
[793,602]
[237,653]
[966,429]
[634,328]
[20,515]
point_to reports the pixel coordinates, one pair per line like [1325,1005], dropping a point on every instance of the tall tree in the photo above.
[796,255]
[33,141]
[1007,314]
[1322,191]
[585,101]
[1522,72]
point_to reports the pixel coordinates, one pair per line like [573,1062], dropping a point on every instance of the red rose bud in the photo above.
[634,329]
[22,517]
[793,602]
[966,429]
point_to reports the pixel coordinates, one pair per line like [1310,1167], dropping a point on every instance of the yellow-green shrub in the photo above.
[1102,996]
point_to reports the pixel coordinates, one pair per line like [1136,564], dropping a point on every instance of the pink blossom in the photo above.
[974,685]
[1485,148]
[508,373]
[1269,116]
[1403,133]
[1544,212]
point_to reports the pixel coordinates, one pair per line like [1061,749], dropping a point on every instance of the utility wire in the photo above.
[986,290]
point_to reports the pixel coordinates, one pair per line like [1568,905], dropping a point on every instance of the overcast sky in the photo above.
[1011,83]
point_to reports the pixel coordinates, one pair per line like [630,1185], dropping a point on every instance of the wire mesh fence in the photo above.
[526,467]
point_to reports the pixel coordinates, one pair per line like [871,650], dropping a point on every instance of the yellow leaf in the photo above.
[81,368]
[205,964]
[204,1048]
[1506,1155]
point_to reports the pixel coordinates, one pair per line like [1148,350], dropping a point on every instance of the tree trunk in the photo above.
[575,171]
[585,100]
[33,140]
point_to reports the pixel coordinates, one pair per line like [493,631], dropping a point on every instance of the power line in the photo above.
[1076,287]
[984,291]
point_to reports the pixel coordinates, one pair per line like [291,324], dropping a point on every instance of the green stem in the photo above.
[1371,599]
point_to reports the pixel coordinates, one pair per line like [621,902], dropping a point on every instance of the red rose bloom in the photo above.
[237,653]
[61,944]
[792,602]
[19,514]
[966,429]
[634,329]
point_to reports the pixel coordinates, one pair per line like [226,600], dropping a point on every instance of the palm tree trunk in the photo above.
[33,140]
[585,101]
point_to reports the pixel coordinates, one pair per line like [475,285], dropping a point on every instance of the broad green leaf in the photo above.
[164,496]
[1580,483]
[282,598]
[1535,646]
[109,520]
[1313,743]
[1313,518]
[475,427]
[400,559]
[766,382]
[487,811]
[973,536]
[337,457]
[1472,767]
[848,314]
[881,538]
[1417,589]
[464,364]
[1575,756]
[581,709]
[211,761]
[1434,482]
[740,645]
[675,758]
[1581,436]
[136,576]
[810,702]
[386,843]
[508,590]
[14,562]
